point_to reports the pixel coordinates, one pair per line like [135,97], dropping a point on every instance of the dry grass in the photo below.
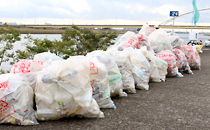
[55,31]
[40,31]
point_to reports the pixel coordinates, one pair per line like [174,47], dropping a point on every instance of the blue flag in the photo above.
[196,14]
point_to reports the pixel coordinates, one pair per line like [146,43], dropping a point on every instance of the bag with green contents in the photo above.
[125,67]
[100,84]
[162,68]
[115,77]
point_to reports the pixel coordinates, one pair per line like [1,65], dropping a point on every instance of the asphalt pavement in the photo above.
[177,104]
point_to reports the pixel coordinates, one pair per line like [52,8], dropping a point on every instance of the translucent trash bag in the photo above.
[47,58]
[100,84]
[170,58]
[154,72]
[159,41]
[28,69]
[146,30]
[181,61]
[122,60]
[64,90]
[114,75]
[162,68]
[192,56]
[140,68]
[16,100]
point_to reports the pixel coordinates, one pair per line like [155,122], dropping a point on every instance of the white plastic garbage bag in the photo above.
[159,41]
[176,41]
[100,84]
[130,39]
[64,90]
[16,100]
[170,58]
[140,68]
[29,70]
[137,41]
[146,30]
[192,56]
[181,61]
[162,68]
[125,67]
[115,77]
[47,58]
[124,38]
[27,66]
[154,72]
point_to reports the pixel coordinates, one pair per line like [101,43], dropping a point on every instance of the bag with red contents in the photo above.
[181,61]
[27,66]
[124,39]
[29,69]
[100,84]
[137,41]
[16,100]
[192,56]
[130,39]
[146,30]
[170,58]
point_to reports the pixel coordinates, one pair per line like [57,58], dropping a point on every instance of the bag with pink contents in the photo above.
[27,66]
[170,58]
[29,69]
[192,57]
[146,30]
[181,61]
[130,39]
[137,41]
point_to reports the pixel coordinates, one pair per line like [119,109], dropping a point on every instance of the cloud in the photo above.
[76,5]
[40,8]
[142,10]
[165,9]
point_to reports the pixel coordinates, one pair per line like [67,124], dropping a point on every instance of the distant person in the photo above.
[200,42]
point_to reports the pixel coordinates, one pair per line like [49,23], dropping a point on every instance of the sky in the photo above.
[109,12]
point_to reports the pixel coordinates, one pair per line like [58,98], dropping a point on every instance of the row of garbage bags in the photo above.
[49,87]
